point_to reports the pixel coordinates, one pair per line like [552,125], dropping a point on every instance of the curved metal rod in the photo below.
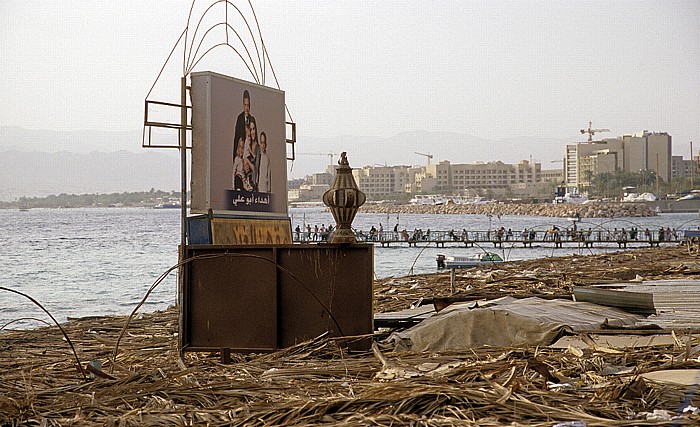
[262,43]
[257,77]
[165,63]
[277,81]
[24,318]
[267,54]
[188,66]
[70,343]
[184,50]
[250,31]
[410,270]
[186,62]
[254,74]
[223,44]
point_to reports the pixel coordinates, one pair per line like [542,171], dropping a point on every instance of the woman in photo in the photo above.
[264,166]
[253,153]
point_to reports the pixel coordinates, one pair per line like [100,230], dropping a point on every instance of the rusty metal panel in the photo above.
[323,279]
[260,298]
[231,300]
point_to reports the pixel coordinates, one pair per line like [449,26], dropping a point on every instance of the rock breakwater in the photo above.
[562,210]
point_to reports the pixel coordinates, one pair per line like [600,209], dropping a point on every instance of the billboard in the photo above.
[238,148]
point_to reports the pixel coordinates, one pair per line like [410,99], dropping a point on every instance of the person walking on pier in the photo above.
[556,236]
[524,235]
[622,238]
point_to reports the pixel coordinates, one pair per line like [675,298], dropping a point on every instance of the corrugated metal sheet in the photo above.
[677,302]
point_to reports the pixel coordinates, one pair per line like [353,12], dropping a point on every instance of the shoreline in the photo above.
[561,210]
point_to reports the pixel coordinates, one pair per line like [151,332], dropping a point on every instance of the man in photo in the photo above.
[243,120]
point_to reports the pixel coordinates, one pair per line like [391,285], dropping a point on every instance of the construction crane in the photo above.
[592,132]
[429,156]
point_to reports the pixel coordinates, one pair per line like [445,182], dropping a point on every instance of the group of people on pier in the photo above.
[315,234]
[498,236]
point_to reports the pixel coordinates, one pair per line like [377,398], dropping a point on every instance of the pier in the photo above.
[498,238]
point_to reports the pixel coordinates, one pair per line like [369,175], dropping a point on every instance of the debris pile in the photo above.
[319,383]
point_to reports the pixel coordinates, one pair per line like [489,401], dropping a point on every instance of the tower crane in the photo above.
[429,156]
[592,132]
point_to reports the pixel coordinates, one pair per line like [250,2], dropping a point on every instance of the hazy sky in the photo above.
[485,68]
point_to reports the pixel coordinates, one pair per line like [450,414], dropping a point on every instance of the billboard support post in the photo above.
[183,160]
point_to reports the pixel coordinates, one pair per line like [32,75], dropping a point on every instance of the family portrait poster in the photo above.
[238,147]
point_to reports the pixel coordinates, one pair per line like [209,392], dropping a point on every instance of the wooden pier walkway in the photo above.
[498,238]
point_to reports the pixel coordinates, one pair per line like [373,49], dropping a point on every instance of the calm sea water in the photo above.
[84,262]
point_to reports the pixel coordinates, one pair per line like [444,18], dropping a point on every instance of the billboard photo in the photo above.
[238,147]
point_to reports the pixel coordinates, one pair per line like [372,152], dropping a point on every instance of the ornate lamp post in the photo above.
[344,199]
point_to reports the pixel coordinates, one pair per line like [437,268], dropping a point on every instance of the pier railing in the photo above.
[498,238]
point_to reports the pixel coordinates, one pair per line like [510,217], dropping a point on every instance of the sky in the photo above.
[494,70]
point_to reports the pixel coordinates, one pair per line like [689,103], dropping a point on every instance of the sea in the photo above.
[82,262]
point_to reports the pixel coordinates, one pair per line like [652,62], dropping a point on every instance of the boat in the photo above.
[169,205]
[482,258]
[427,199]
[562,195]
[644,197]
[693,195]
[576,198]
[478,200]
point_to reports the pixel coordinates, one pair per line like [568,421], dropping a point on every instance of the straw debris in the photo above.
[319,383]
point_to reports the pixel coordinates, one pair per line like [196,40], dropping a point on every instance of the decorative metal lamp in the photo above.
[344,199]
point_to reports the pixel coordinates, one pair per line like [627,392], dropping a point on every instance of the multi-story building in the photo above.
[552,175]
[681,167]
[648,151]
[307,192]
[497,177]
[380,181]
[583,159]
[632,153]
[323,178]
[376,181]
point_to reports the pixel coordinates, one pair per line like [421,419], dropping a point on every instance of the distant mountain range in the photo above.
[37,163]
[39,174]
